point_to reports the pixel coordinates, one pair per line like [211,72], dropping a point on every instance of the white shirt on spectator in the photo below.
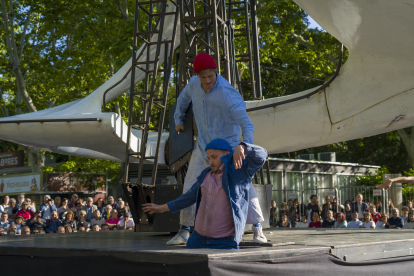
[360,212]
[408,225]
[130,223]
[380,225]
[354,224]
[368,224]
[302,225]
[46,213]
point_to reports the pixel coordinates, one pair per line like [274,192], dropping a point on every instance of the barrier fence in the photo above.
[399,196]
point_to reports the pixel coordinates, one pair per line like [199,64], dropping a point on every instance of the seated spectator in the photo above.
[304,223]
[314,207]
[69,219]
[36,222]
[378,205]
[329,222]
[68,229]
[20,200]
[121,210]
[19,223]
[5,224]
[81,229]
[89,208]
[53,223]
[284,222]
[74,198]
[63,207]
[13,209]
[315,223]
[11,232]
[375,215]
[61,229]
[57,201]
[359,206]
[129,225]
[105,227]
[114,220]
[348,212]
[95,228]
[25,230]
[77,209]
[300,207]
[367,202]
[396,222]
[410,206]
[4,206]
[25,212]
[36,231]
[98,219]
[31,206]
[115,227]
[292,216]
[383,222]
[410,222]
[326,207]
[355,222]
[340,220]
[47,208]
[274,214]
[368,221]
[107,213]
[82,220]
[405,214]
[100,203]
[112,202]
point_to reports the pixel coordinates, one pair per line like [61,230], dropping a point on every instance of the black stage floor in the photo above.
[350,245]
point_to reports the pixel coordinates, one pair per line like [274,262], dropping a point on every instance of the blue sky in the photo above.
[313,24]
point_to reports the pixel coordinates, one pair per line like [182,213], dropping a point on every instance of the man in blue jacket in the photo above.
[47,208]
[359,206]
[219,112]
[221,195]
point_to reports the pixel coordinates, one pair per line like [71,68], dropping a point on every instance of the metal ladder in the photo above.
[155,10]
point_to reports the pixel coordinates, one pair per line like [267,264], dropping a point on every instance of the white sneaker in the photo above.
[180,238]
[258,235]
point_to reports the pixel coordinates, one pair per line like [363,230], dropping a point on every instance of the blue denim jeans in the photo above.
[198,241]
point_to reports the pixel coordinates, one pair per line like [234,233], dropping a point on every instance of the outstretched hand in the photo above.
[238,156]
[154,208]
[386,185]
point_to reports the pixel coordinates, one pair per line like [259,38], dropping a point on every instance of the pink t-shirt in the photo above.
[113,221]
[214,216]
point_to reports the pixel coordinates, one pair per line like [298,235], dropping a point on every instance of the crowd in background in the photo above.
[359,213]
[61,215]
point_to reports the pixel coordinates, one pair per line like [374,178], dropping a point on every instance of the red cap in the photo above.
[204,61]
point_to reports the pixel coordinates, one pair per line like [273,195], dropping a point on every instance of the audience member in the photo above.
[82,220]
[304,223]
[359,206]
[63,207]
[100,203]
[57,201]
[340,220]
[274,214]
[367,201]
[283,210]
[31,206]
[98,220]
[292,215]
[20,200]
[68,229]
[81,229]
[405,213]
[129,222]
[73,199]
[314,207]
[375,215]
[326,207]
[19,223]
[105,227]
[95,228]
[61,230]
[410,206]
[348,212]
[53,223]
[368,221]
[121,209]
[5,223]
[390,206]
[25,230]
[36,231]
[78,207]
[410,222]
[12,211]
[25,212]
[112,202]
[107,213]
[315,223]
[300,207]
[355,222]
[11,232]
[329,222]
[396,222]
[378,205]
[69,219]
[4,204]
[35,222]
[383,222]
[114,220]
[89,208]
[47,208]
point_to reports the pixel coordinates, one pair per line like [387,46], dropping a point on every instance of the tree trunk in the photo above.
[408,140]
[37,160]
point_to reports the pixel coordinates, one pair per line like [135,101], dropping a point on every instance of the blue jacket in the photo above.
[236,184]
[354,206]
[398,222]
[219,113]
[43,207]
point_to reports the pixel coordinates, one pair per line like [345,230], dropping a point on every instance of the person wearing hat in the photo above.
[220,194]
[219,112]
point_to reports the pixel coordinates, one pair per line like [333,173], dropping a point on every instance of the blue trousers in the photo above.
[198,241]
